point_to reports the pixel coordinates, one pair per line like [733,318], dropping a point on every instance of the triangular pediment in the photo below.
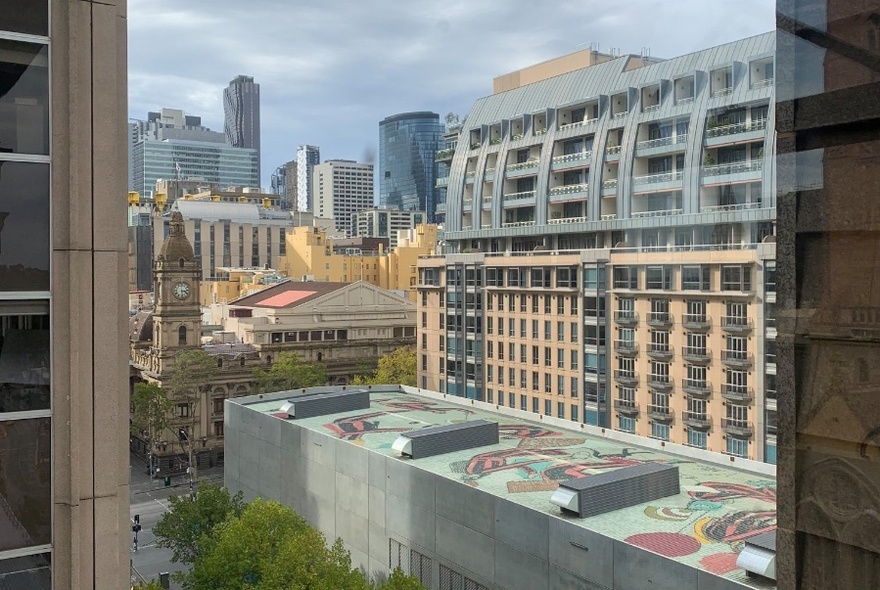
[354,297]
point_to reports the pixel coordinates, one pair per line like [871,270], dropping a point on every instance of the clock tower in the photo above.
[177,318]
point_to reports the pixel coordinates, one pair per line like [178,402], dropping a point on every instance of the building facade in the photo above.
[307,157]
[385,223]
[64,469]
[612,235]
[284,183]
[241,115]
[203,162]
[342,188]
[408,143]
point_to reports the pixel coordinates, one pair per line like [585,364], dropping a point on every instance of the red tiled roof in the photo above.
[288,294]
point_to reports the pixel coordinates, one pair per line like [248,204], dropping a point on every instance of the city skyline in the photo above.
[360,77]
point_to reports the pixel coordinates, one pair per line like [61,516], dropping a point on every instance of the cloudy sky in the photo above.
[329,71]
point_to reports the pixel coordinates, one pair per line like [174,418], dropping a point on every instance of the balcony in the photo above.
[571,160]
[660,319]
[696,387]
[489,174]
[660,413]
[568,189]
[696,354]
[440,208]
[677,141]
[467,201]
[612,150]
[626,407]
[577,124]
[541,131]
[609,216]
[487,201]
[626,317]
[517,136]
[565,220]
[737,393]
[684,100]
[445,154]
[521,196]
[731,207]
[735,128]
[743,170]
[736,358]
[626,377]
[697,420]
[661,352]
[611,183]
[442,181]
[722,92]
[737,427]
[662,382]
[762,83]
[470,176]
[736,324]
[518,223]
[475,145]
[693,321]
[522,168]
[626,347]
[657,213]
[657,178]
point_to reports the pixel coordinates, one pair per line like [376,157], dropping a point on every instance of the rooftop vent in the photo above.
[321,404]
[758,557]
[597,494]
[438,440]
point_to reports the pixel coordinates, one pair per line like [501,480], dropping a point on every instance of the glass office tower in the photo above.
[408,143]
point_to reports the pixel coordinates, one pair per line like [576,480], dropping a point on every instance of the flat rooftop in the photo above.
[704,526]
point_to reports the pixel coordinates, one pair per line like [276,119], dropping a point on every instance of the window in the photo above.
[500,304]
[697,438]
[424,362]
[560,358]
[490,299]
[548,383]
[534,355]
[660,431]
[181,336]
[658,277]
[548,304]
[560,305]
[560,409]
[560,385]
[511,351]
[737,446]
[501,376]
[490,397]
[424,319]
[534,303]
[695,278]
[442,321]
[574,332]
[183,410]
[522,379]
[574,413]
[522,302]
[443,343]
[511,398]
[626,277]
[540,277]
[523,403]
[547,356]
[566,277]
[736,278]
[547,330]
[522,326]
[574,386]
[511,327]
[490,373]
[574,360]
[547,407]
[574,304]
[535,381]
[489,349]
[560,331]
[514,277]
[424,341]
[626,424]
[490,324]
[534,329]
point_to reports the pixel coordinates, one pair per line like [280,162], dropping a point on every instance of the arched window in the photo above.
[320,356]
[219,362]
[182,263]
[181,335]
[864,372]
[269,360]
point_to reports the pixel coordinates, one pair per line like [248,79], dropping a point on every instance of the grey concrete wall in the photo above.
[369,499]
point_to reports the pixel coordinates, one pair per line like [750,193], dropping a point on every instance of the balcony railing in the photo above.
[626,317]
[440,208]
[442,181]
[693,321]
[659,381]
[737,427]
[659,351]
[696,420]
[518,196]
[609,216]
[684,100]
[656,178]
[736,324]
[576,124]
[696,387]
[619,114]
[516,136]
[626,377]
[650,107]
[733,168]
[762,83]
[487,199]
[565,220]
[734,128]
[612,150]
[662,141]
[564,159]
[625,406]
[522,165]
[486,226]
[467,200]
[495,141]
[475,145]
[736,358]
[659,318]
[660,413]
[610,183]
[731,207]
[736,393]
[444,154]
[696,354]
[541,131]
[470,176]
[518,223]
[568,189]
[658,213]
[722,91]
[626,347]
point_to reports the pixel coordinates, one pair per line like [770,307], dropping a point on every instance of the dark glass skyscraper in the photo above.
[408,143]
[241,110]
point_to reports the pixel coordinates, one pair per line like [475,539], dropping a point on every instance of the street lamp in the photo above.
[183,436]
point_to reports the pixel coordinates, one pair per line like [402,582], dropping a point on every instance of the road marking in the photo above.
[164,507]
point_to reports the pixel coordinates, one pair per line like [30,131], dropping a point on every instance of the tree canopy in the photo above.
[150,409]
[395,368]
[290,372]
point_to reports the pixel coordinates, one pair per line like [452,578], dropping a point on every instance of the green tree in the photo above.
[396,368]
[290,372]
[188,526]
[400,581]
[152,585]
[151,409]
[189,382]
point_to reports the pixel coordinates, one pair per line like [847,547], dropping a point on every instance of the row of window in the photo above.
[522,332]
[692,277]
[561,360]
[525,303]
[526,402]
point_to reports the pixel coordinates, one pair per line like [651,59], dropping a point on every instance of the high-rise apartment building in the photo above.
[408,143]
[284,181]
[197,161]
[64,521]
[609,233]
[341,189]
[241,115]
[385,223]
[307,157]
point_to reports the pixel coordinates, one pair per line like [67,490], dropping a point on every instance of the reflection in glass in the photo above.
[25,16]
[24,98]
[32,572]
[24,226]
[25,483]
[24,357]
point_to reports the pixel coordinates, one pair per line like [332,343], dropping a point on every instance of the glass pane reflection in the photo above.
[25,483]
[32,572]
[24,226]
[25,16]
[24,98]
[24,357]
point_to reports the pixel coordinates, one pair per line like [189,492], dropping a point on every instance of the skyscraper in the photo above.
[408,143]
[241,111]
[64,516]
[342,188]
[306,158]
[283,183]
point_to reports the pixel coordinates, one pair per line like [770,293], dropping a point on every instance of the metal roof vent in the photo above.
[321,404]
[438,440]
[758,557]
[597,494]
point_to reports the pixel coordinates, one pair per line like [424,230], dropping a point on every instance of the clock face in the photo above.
[180,290]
